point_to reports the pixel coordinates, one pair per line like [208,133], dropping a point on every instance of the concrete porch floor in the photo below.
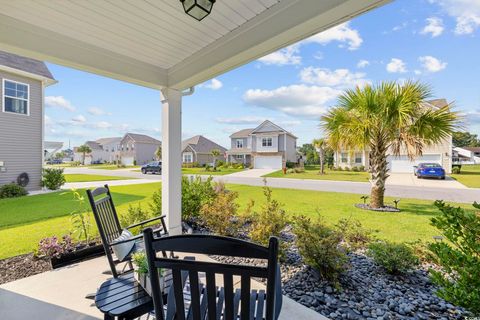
[60,294]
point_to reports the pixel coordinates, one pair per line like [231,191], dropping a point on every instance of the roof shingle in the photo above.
[25,64]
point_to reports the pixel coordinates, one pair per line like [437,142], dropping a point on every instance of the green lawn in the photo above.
[24,221]
[312,172]
[219,172]
[469,176]
[92,177]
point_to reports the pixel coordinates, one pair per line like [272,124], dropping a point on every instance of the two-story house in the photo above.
[199,149]
[103,150]
[267,146]
[440,153]
[138,149]
[22,82]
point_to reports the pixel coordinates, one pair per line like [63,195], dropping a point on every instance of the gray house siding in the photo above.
[291,152]
[21,136]
[145,153]
[234,142]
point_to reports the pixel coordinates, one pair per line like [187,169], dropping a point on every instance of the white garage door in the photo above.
[403,165]
[128,161]
[268,162]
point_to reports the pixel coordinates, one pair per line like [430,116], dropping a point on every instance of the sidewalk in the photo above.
[111,183]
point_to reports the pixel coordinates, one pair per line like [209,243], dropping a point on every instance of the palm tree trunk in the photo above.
[321,155]
[378,174]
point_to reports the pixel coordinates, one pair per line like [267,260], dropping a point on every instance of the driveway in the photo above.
[251,173]
[409,179]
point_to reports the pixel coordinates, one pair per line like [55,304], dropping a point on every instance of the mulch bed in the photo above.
[23,266]
[382,209]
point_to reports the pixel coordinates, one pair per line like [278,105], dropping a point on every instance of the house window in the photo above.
[239,144]
[133,147]
[344,157]
[267,142]
[15,97]
[358,158]
[187,158]
[239,156]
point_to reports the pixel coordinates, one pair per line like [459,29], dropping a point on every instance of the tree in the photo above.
[465,139]
[158,153]
[387,119]
[215,154]
[320,146]
[60,155]
[311,156]
[84,149]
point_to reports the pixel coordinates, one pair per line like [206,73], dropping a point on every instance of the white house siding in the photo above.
[21,136]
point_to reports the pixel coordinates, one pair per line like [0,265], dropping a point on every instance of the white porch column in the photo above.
[172,159]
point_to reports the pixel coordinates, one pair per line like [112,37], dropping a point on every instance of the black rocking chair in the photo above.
[109,226]
[209,301]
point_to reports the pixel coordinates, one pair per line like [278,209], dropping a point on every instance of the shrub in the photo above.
[361,168]
[220,215]
[320,247]
[12,190]
[53,178]
[354,235]
[75,163]
[347,169]
[269,221]
[195,193]
[456,170]
[339,169]
[421,251]
[290,165]
[290,171]
[355,169]
[134,215]
[299,170]
[459,256]
[393,257]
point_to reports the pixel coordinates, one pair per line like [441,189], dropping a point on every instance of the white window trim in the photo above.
[271,142]
[188,154]
[237,141]
[355,157]
[3,97]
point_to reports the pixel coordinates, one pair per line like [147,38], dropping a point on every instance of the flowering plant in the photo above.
[53,247]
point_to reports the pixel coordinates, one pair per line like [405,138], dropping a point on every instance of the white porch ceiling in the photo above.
[154,43]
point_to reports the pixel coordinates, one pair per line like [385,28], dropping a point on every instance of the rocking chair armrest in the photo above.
[145,222]
[140,236]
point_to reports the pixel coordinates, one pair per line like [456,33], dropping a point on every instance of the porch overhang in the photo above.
[120,40]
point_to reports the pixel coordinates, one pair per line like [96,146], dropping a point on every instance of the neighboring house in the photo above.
[440,153]
[22,82]
[466,155]
[267,146]
[50,148]
[103,150]
[199,149]
[138,149]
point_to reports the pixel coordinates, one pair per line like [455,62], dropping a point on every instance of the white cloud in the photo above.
[241,120]
[213,84]
[102,125]
[434,27]
[286,56]
[363,63]
[327,77]
[432,64]
[96,111]
[396,66]
[294,100]
[80,118]
[342,33]
[465,12]
[59,102]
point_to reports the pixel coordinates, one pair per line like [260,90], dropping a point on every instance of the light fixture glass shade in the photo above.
[197,9]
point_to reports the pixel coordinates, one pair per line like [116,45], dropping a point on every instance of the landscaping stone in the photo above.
[23,266]
[382,209]
[367,292]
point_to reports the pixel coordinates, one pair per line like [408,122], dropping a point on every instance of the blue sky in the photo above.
[434,41]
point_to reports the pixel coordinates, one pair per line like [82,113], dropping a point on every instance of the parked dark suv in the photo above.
[153,167]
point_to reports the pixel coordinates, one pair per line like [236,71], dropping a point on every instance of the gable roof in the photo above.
[30,67]
[200,144]
[439,103]
[242,133]
[142,138]
[94,145]
[473,149]
[104,141]
[247,132]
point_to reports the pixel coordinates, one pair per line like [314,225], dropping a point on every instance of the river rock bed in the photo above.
[23,266]
[366,292]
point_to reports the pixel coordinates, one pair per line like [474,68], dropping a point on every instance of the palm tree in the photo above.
[158,153]
[215,154]
[387,119]
[320,145]
[84,149]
